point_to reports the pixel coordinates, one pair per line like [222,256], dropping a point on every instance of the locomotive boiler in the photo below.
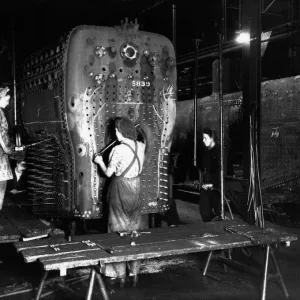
[69,97]
[279,134]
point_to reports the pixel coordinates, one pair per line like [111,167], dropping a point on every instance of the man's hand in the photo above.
[14,191]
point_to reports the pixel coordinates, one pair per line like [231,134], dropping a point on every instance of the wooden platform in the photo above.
[58,254]
[17,224]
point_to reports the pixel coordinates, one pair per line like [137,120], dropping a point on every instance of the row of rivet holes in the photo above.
[42,69]
[36,82]
[113,112]
[37,60]
[100,104]
[57,64]
[282,182]
[50,74]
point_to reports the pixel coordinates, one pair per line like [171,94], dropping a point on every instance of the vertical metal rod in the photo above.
[207,263]
[195,101]
[264,289]
[39,292]
[174,26]
[91,284]
[14,75]
[279,274]
[221,115]
[102,287]
[224,13]
[240,14]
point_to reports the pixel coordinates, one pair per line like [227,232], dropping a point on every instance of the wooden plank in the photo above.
[159,233]
[33,254]
[27,224]
[8,233]
[42,249]
[148,251]
[32,250]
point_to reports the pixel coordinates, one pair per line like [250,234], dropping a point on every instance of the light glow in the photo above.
[243,37]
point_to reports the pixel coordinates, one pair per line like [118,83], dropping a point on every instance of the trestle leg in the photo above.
[91,284]
[39,292]
[278,274]
[102,286]
[207,263]
[264,288]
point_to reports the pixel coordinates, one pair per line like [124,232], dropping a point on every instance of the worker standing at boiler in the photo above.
[124,202]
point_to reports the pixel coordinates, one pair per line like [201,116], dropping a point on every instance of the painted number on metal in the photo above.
[140,83]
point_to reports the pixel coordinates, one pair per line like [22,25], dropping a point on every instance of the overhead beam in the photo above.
[268,7]
[263,12]
[157,3]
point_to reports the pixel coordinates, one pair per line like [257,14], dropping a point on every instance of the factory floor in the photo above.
[174,278]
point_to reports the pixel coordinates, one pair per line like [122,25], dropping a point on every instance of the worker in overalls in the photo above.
[124,203]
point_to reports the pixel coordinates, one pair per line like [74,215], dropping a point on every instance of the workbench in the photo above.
[17,224]
[94,251]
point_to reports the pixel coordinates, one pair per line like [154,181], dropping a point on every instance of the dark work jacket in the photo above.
[211,166]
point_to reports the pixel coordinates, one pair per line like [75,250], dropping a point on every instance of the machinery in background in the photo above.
[279,140]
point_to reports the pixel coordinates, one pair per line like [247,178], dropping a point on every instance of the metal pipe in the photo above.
[224,13]
[174,26]
[14,76]
[195,101]
[221,114]
[240,14]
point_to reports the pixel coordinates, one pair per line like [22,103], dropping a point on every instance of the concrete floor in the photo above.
[174,278]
